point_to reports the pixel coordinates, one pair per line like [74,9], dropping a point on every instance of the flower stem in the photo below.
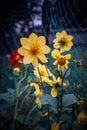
[29,109]
[17,94]
[59,100]
[40,77]
[49,118]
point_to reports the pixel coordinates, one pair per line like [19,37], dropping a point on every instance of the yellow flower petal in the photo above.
[58,34]
[27,59]
[70,37]
[56,45]
[43,58]
[24,42]
[22,51]
[55,41]
[68,56]
[59,67]
[45,49]
[54,92]
[55,62]
[35,62]
[64,33]
[55,54]
[41,40]
[49,82]
[33,38]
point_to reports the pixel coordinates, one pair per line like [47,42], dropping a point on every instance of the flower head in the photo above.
[43,72]
[34,48]
[82,118]
[15,58]
[37,91]
[63,41]
[55,126]
[61,61]
[16,70]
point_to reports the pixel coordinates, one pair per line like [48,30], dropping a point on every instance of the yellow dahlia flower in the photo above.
[34,48]
[55,126]
[61,61]
[82,118]
[43,72]
[37,89]
[63,41]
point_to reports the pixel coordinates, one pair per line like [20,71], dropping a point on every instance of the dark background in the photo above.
[69,14]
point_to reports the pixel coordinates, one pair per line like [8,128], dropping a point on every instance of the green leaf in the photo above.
[47,99]
[68,99]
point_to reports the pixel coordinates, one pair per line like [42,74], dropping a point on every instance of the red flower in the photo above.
[15,58]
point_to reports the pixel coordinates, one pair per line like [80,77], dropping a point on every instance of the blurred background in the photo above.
[45,17]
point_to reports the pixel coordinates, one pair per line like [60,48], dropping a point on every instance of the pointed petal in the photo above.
[68,56]
[58,34]
[69,37]
[55,62]
[24,42]
[45,49]
[35,62]
[64,33]
[23,51]
[41,40]
[62,68]
[56,45]
[59,67]
[55,41]
[42,58]
[33,38]
[27,59]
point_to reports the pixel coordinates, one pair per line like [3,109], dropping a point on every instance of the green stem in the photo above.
[17,94]
[29,109]
[59,100]
[23,90]
[49,118]
[58,106]
[24,100]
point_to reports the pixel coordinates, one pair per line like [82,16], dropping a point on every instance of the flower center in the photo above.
[62,41]
[34,50]
[42,73]
[61,61]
